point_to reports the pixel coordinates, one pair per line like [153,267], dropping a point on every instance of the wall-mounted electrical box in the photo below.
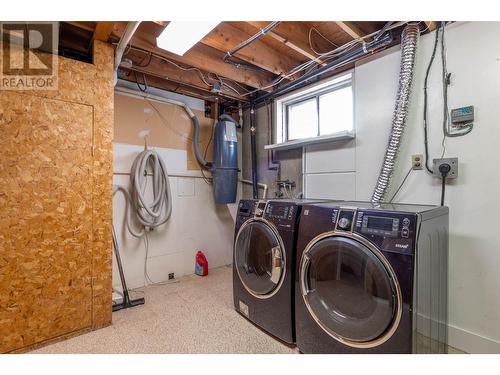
[462,115]
[452,162]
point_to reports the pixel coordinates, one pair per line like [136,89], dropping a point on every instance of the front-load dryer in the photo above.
[372,278]
[264,263]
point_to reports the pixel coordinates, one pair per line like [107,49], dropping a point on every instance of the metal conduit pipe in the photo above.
[188,110]
[409,39]
[247,42]
[122,44]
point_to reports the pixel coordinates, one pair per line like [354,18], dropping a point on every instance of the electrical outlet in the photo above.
[416,161]
[453,162]
[171,276]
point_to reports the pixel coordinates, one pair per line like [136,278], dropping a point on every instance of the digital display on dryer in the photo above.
[380,223]
[385,226]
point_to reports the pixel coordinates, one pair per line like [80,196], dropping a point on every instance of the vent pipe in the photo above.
[409,40]
[128,33]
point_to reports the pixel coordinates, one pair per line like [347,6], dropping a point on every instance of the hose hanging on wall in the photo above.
[409,40]
[157,211]
[148,214]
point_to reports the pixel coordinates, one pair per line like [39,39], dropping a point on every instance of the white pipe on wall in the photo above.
[122,44]
[259,184]
[135,94]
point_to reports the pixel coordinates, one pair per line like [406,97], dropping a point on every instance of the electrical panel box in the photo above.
[462,115]
[452,162]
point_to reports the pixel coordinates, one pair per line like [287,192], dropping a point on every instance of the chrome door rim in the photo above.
[304,263]
[283,251]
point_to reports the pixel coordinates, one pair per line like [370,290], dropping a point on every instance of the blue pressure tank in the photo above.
[225,165]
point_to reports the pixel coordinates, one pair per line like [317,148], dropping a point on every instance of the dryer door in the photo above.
[259,258]
[350,290]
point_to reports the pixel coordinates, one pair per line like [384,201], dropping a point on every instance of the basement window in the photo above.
[321,113]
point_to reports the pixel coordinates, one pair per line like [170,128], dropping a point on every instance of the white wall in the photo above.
[197,223]
[349,170]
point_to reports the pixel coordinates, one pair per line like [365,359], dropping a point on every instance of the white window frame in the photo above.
[282,104]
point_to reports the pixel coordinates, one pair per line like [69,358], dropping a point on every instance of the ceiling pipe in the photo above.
[229,54]
[122,44]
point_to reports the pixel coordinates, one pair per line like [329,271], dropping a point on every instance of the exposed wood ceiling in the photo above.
[202,72]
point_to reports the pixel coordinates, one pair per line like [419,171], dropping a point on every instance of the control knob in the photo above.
[344,223]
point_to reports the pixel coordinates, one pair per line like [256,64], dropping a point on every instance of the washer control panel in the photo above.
[246,208]
[278,211]
[260,209]
[282,214]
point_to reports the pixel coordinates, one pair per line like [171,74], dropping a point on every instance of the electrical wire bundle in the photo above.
[306,66]
[445,77]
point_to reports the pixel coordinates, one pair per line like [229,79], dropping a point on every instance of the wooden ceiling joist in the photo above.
[201,57]
[351,29]
[302,48]
[162,69]
[164,84]
[226,37]
[286,46]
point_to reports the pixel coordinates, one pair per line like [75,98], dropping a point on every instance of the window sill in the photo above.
[340,136]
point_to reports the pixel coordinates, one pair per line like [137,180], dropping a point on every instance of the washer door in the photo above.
[350,290]
[259,258]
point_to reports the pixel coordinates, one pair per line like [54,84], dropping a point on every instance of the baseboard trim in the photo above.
[471,342]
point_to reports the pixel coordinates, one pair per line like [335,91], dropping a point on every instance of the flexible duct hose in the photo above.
[148,214]
[196,145]
[409,40]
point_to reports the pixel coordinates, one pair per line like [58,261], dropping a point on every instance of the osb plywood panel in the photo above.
[81,85]
[45,200]
[169,126]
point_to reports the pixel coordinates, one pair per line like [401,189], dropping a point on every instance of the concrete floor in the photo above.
[193,315]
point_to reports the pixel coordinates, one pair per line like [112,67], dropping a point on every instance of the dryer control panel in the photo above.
[391,231]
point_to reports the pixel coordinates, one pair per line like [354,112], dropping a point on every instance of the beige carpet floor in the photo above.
[193,315]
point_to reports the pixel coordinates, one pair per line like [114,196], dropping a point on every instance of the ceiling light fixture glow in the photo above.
[178,37]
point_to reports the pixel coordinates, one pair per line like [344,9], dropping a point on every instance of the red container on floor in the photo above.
[201,266]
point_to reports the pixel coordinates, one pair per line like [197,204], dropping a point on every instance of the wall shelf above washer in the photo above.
[340,136]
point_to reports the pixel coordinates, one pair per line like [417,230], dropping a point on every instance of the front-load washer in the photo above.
[372,278]
[264,263]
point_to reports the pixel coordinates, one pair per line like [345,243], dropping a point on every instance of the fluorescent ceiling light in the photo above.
[178,37]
